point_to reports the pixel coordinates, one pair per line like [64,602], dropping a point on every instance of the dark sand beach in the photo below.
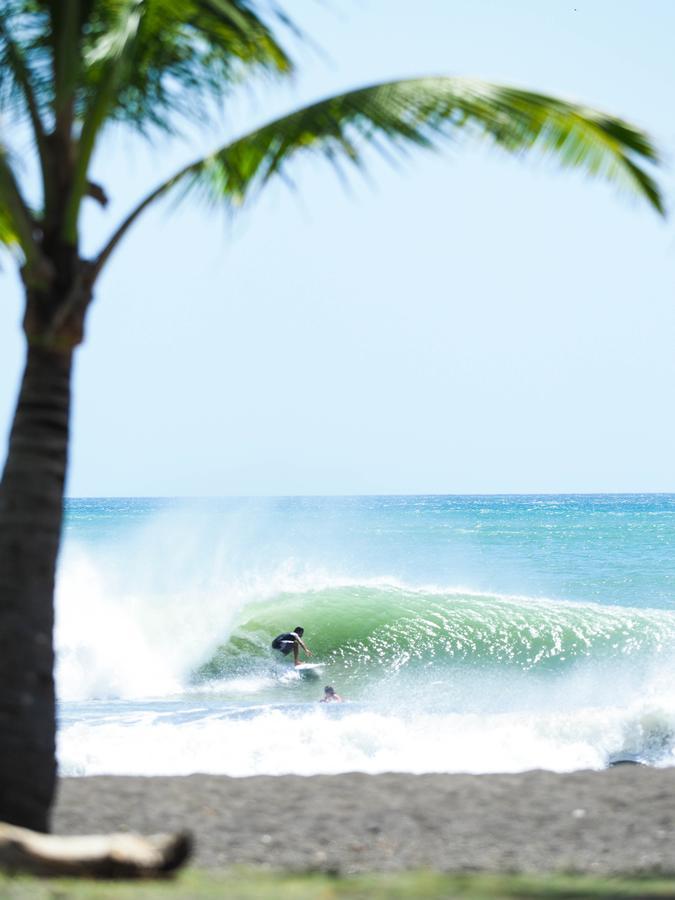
[618,821]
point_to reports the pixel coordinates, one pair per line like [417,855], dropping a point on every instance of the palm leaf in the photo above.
[190,52]
[147,61]
[395,116]
[17,224]
[25,65]
[14,60]
[8,236]
[184,54]
[113,54]
[187,49]
[422,113]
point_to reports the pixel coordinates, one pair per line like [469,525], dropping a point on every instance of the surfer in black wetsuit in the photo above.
[291,641]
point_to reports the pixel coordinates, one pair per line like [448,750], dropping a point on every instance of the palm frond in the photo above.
[395,116]
[186,53]
[17,222]
[423,113]
[14,58]
[8,237]
[25,68]
[113,53]
[146,62]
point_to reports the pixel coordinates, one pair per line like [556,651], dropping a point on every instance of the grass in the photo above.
[246,884]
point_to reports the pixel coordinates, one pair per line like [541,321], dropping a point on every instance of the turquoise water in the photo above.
[468,633]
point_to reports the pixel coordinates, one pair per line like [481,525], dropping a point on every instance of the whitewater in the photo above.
[467,634]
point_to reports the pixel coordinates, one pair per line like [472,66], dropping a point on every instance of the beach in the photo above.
[615,822]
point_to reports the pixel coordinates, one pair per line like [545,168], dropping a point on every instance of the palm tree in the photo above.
[68,69]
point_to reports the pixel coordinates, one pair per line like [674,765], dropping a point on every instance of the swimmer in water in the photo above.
[329,695]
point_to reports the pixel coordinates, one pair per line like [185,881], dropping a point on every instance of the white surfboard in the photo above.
[309,670]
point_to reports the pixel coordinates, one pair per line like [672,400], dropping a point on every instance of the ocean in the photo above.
[466,634]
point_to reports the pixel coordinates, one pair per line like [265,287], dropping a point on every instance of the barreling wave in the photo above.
[437,680]
[389,627]
[166,612]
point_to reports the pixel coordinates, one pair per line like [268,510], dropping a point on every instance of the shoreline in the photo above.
[619,821]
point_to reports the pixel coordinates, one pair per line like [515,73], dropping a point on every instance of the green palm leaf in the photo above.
[8,236]
[147,62]
[420,113]
[18,79]
[17,224]
[182,54]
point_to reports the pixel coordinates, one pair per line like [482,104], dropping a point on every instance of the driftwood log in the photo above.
[97,855]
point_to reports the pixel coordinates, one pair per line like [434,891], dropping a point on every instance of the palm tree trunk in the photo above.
[31,510]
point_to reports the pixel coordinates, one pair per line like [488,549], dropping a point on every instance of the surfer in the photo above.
[291,641]
[329,695]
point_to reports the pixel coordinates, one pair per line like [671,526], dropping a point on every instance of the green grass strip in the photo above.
[246,884]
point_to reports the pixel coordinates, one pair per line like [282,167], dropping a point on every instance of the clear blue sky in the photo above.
[470,323]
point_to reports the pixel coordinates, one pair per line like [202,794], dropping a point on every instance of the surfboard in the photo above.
[309,670]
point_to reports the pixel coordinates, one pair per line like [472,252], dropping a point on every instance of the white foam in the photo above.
[141,629]
[340,739]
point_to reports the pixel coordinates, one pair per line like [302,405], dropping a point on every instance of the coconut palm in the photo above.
[68,70]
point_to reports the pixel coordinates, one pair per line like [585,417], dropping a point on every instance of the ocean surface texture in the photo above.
[467,634]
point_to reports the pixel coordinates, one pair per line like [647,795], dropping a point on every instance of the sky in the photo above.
[463,323]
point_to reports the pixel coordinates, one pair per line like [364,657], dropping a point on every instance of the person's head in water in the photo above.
[329,695]
[299,630]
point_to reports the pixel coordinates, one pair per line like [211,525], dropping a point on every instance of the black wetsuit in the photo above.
[285,642]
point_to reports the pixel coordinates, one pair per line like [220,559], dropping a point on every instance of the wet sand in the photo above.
[619,821]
